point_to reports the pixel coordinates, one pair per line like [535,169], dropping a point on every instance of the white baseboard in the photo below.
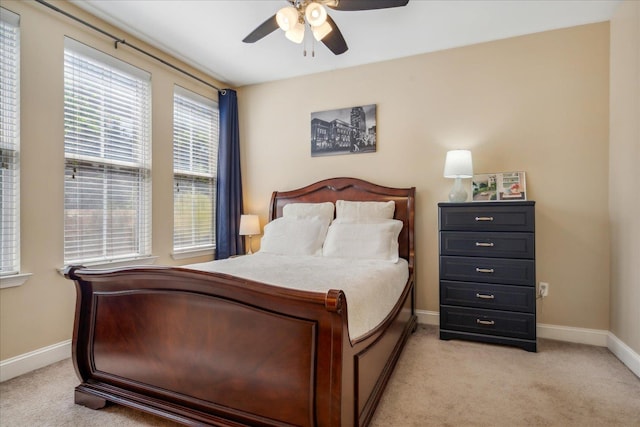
[428,317]
[571,334]
[15,366]
[625,353]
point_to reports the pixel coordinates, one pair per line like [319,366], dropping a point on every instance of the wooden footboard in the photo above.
[199,347]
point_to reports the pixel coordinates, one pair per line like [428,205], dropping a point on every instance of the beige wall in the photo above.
[537,103]
[624,153]
[40,312]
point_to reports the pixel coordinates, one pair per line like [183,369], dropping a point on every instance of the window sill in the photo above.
[192,253]
[117,263]
[13,280]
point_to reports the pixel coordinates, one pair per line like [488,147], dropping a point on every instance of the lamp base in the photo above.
[250,252]
[458,193]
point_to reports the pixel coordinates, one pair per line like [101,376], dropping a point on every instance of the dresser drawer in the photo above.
[520,272]
[484,295]
[505,216]
[488,322]
[496,244]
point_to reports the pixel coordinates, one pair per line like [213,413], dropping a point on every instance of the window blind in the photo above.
[195,160]
[9,143]
[107,188]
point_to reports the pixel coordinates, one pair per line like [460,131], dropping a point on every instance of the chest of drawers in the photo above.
[488,272]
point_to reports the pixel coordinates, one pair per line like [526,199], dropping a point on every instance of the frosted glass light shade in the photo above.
[316,14]
[321,31]
[458,164]
[287,18]
[249,225]
[295,33]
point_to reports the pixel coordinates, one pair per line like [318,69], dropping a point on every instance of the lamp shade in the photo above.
[249,225]
[458,164]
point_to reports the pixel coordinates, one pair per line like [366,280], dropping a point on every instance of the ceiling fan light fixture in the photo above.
[321,31]
[287,18]
[294,18]
[316,14]
[295,33]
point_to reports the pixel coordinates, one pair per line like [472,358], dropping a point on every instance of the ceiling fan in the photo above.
[293,18]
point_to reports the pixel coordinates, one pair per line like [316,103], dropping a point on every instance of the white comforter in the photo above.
[371,287]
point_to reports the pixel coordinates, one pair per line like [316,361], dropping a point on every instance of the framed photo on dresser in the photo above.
[503,186]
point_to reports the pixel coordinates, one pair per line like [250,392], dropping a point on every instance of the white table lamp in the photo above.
[458,164]
[249,226]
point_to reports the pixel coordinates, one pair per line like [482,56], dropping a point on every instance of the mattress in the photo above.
[371,287]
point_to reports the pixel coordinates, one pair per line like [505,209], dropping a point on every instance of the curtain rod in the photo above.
[124,42]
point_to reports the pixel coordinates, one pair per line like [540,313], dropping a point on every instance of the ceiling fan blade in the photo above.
[334,40]
[264,29]
[367,4]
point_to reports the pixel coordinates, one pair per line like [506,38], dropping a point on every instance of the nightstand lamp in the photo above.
[458,165]
[249,226]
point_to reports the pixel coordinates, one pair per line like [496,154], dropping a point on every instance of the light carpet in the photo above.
[436,383]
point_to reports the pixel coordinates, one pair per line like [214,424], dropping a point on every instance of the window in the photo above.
[195,154]
[9,144]
[107,187]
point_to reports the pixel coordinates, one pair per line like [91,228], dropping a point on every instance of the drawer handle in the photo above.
[485,322]
[484,270]
[485,245]
[484,218]
[483,296]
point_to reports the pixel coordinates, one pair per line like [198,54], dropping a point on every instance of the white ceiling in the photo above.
[207,34]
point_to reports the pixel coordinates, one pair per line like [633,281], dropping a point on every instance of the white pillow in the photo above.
[309,210]
[375,240]
[364,211]
[294,236]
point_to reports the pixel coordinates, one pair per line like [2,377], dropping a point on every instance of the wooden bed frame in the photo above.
[204,348]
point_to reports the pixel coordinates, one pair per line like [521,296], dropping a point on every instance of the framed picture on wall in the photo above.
[344,131]
[503,186]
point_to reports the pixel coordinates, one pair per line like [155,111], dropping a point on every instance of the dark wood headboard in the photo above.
[354,189]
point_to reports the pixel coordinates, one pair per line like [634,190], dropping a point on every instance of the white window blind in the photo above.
[107,187]
[195,161]
[9,143]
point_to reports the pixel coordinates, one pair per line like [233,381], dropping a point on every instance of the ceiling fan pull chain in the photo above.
[304,45]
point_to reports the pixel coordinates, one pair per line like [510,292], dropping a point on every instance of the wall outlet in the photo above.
[543,289]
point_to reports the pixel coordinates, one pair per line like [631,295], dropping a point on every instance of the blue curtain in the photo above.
[229,183]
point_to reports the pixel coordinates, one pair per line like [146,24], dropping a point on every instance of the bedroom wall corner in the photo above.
[624,153]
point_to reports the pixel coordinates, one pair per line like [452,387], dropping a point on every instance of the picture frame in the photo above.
[349,130]
[500,187]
